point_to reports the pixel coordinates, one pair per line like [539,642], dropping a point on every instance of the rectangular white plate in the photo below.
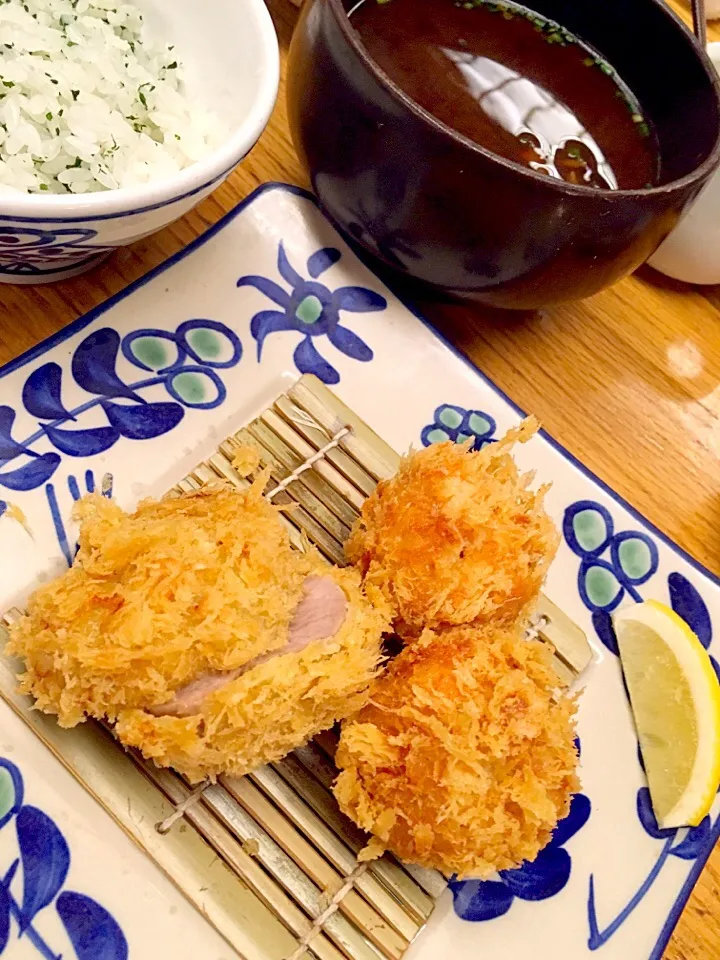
[268,293]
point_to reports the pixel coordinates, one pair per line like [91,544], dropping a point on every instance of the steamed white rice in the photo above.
[89,103]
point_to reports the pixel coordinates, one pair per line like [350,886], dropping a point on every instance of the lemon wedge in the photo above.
[675,698]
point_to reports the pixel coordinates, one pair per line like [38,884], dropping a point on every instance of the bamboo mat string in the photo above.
[343,431]
[332,907]
[166,825]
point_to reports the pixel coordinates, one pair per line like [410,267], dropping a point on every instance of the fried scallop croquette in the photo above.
[195,627]
[464,760]
[456,536]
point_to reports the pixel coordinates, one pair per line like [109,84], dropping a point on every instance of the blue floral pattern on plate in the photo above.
[35,879]
[75,494]
[613,565]
[313,310]
[185,362]
[691,844]
[545,877]
[458,424]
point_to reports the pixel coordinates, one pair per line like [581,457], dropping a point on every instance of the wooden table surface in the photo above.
[628,381]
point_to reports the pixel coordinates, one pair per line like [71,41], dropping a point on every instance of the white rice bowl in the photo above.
[88,103]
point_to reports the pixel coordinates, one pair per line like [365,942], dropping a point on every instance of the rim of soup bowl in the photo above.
[704,169]
[199,176]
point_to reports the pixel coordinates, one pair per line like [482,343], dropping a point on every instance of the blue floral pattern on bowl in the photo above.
[458,424]
[34,882]
[313,310]
[26,250]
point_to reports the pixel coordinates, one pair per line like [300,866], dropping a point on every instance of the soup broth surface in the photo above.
[515,83]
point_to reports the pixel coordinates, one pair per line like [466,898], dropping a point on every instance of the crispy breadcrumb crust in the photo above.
[275,707]
[456,536]
[200,583]
[465,758]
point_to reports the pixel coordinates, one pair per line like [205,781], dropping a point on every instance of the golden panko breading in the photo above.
[201,582]
[456,536]
[464,760]
[196,594]
[273,708]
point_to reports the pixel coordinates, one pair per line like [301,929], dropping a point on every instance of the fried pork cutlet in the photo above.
[194,626]
[456,537]
[464,760]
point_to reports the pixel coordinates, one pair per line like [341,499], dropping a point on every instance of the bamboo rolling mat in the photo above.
[278,833]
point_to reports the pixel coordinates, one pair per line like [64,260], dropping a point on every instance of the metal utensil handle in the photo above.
[699,21]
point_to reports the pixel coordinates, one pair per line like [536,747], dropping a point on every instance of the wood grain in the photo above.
[628,381]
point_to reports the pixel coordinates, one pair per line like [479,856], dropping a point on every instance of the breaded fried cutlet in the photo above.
[465,758]
[195,627]
[456,537]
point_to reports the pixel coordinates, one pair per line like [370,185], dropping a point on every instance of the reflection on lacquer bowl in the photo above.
[230,53]
[437,207]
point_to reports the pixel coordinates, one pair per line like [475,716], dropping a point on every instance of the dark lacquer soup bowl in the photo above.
[442,210]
